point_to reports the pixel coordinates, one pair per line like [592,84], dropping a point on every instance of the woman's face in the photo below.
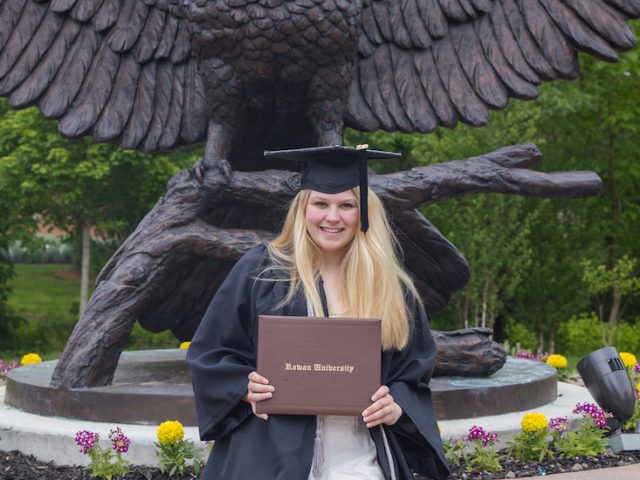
[332,220]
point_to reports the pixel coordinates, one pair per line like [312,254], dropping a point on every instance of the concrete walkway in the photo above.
[629,472]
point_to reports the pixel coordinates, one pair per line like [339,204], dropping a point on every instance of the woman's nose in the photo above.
[332,214]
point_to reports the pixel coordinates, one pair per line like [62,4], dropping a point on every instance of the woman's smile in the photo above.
[332,220]
[331,229]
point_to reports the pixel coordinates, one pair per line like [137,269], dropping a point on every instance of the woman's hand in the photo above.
[384,409]
[258,390]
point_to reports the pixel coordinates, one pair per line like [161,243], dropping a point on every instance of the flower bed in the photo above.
[545,446]
[520,469]
[17,466]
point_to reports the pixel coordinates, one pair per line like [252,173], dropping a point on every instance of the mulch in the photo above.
[17,466]
[516,469]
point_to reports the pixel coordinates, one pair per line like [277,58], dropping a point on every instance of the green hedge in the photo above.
[49,249]
[585,333]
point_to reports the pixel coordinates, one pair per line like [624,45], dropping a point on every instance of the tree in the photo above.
[622,279]
[593,123]
[7,318]
[78,186]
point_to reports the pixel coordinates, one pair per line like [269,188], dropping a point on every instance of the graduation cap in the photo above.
[335,169]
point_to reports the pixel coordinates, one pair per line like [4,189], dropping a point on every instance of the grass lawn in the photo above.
[46,297]
[40,290]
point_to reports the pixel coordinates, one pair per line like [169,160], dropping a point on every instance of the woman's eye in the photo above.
[319,204]
[348,206]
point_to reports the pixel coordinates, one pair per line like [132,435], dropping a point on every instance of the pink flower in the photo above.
[526,355]
[475,433]
[559,424]
[5,367]
[478,433]
[119,440]
[86,440]
[591,410]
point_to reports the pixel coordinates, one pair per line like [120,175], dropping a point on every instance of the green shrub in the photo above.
[453,451]
[581,335]
[8,319]
[41,249]
[531,446]
[141,339]
[518,334]
[587,440]
[16,252]
[626,337]
[585,333]
[41,335]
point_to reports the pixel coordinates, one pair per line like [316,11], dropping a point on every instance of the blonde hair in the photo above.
[371,267]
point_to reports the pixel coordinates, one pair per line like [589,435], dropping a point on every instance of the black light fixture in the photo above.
[608,382]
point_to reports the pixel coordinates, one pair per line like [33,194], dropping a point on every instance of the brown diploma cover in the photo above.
[318,365]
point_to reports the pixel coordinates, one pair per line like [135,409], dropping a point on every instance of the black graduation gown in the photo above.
[223,353]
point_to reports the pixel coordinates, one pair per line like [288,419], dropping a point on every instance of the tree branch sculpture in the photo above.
[182,250]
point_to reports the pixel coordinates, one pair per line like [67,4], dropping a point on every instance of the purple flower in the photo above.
[86,440]
[119,440]
[475,433]
[5,367]
[636,367]
[489,439]
[526,355]
[591,410]
[559,424]
[478,433]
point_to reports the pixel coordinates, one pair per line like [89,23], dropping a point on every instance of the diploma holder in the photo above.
[318,365]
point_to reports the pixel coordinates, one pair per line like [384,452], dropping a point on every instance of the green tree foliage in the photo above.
[75,182]
[76,185]
[622,278]
[593,124]
[529,251]
[7,318]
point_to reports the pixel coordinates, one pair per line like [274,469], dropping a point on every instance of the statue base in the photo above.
[519,385]
[152,386]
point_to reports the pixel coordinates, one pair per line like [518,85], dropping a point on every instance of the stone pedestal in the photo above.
[153,385]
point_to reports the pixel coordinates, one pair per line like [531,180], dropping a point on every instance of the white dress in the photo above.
[344,450]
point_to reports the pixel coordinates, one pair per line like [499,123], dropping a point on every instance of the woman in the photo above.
[321,263]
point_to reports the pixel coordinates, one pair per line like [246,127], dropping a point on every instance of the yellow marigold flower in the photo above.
[184,345]
[532,422]
[170,432]
[629,359]
[30,359]
[557,361]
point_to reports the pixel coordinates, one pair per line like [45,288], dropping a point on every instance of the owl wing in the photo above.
[424,63]
[119,70]
[437,267]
